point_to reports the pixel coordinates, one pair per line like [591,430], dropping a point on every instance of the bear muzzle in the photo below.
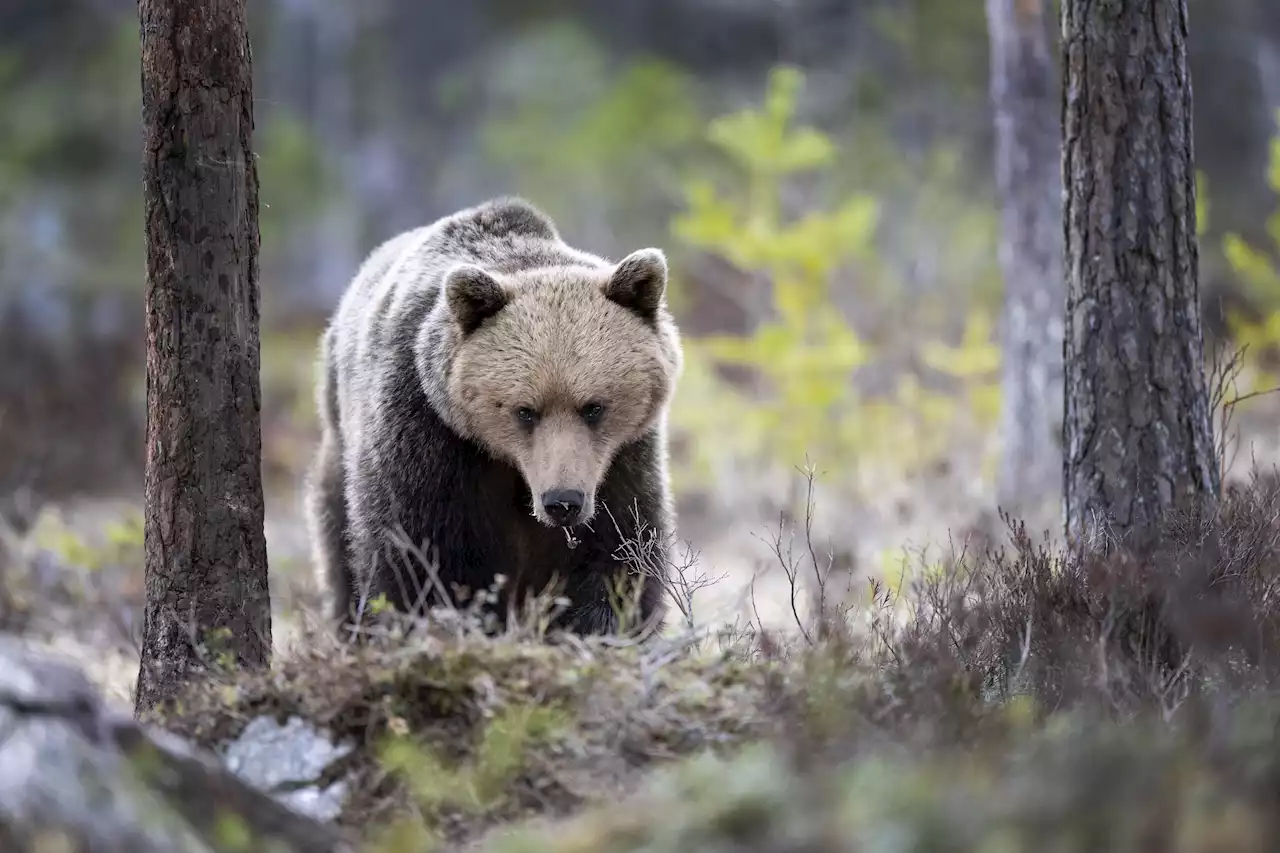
[563,506]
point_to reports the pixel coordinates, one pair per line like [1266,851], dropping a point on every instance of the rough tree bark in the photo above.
[1028,177]
[1138,432]
[206,560]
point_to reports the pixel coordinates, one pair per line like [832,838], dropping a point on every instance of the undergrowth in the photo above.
[1006,698]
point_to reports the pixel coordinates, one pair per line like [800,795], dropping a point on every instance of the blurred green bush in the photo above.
[807,353]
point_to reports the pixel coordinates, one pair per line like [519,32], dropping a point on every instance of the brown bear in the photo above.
[499,400]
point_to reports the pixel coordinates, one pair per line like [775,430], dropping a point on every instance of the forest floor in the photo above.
[992,699]
[1008,701]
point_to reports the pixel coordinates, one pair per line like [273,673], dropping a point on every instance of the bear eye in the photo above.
[526,414]
[592,412]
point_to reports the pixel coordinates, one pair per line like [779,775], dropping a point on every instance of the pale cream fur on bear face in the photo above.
[591,354]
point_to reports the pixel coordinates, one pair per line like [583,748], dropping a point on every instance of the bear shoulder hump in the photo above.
[513,216]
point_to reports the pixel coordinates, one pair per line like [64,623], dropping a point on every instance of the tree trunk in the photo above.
[206,560]
[1267,60]
[1138,432]
[1028,177]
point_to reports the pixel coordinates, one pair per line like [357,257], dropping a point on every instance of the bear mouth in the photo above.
[569,529]
[572,527]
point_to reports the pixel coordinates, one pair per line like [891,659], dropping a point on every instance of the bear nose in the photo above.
[563,505]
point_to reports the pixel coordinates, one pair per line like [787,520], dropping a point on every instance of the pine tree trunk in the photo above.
[206,560]
[1139,437]
[1028,177]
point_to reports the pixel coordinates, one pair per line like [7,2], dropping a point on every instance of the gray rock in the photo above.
[287,761]
[74,771]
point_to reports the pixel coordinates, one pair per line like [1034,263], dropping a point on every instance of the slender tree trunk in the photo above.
[1138,432]
[1266,47]
[1028,176]
[206,560]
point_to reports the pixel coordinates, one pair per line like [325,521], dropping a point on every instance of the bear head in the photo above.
[555,369]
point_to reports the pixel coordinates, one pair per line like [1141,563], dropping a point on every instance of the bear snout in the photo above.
[563,506]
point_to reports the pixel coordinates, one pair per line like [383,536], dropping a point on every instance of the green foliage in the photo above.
[807,353]
[232,834]
[119,543]
[475,786]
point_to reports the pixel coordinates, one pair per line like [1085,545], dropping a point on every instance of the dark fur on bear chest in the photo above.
[474,515]
[531,555]
[411,478]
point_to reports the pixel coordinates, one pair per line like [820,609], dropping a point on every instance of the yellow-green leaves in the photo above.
[762,140]
[803,348]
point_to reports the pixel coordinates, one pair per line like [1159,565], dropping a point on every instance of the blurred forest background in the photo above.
[785,153]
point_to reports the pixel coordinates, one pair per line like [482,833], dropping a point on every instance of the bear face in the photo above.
[555,369]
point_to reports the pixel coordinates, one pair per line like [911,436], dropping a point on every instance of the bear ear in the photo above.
[639,282]
[473,296]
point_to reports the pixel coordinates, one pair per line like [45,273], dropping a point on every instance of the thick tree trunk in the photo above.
[1138,432]
[1028,176]
[206,560]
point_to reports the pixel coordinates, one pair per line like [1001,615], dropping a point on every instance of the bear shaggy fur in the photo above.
[484,390]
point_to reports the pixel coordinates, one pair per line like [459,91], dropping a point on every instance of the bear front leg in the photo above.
[326,498]
[418,538]
[327,518]
[397,554]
